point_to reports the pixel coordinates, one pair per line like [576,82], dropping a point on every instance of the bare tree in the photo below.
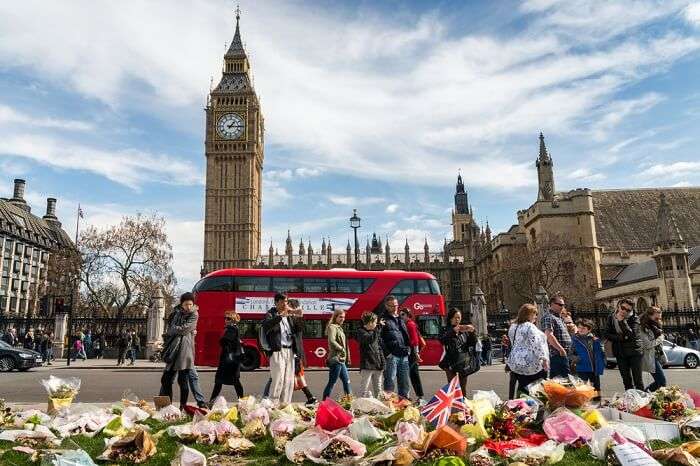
[124,264]
[553,262]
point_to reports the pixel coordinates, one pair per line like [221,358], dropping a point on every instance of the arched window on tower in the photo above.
[642,305]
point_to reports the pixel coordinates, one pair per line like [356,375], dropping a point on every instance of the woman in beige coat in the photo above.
[338,354]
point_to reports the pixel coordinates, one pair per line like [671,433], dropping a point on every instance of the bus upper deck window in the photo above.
[423,287]
[287,285]
[315,285]
[252,284]
[346,285]
[434,287]
[221,283]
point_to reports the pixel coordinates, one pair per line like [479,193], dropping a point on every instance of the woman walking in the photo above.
[229,370]
[529,356]
[338,354]
[459,341]
[654,358]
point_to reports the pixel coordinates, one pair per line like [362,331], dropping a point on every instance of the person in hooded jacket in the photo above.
[229,370]
[624,331]
[371,355]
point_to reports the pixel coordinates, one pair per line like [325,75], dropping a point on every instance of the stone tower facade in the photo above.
[545,173]
[465,232]
[234,149]
[671,256]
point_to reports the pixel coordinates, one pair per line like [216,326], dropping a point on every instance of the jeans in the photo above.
[121,356]
[373,378]
[414,374]
[659,377]
[630,368]
[338,369]
[193,382]
[79,354]
[49,355]
[166,385]
[558,364]
[396,369]
[132,354]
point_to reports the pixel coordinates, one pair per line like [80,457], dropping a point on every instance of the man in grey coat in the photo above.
[179,341]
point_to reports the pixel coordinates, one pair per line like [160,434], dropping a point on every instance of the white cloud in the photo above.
[671,170]
[392,208]
[585,174]
[129,167]
[9,115]
[355,86]
[617,111]
[350,201]
[692,13]
[682,184]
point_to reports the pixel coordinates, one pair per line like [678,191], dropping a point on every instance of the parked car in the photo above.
[676,355]
[17,358]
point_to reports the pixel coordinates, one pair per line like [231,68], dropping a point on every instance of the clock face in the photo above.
[230,126]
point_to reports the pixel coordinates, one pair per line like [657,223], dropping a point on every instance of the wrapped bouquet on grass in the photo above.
[168,414]
[258,413]
[338,449]
[88,422]
[31,416]
[364,431]
[547,453]
[481,457]
[563,426]
[37,437]
[370,406]
[671,404]
[686,454]
[631,401]
[480,411]
[331,416]
[691,428]
[296,449]
[238,446]
[444,441]
[281,430]
[7,416]
[571,392]
[61,392]
[136,447]
[254,429]
[602,438]
[409,433]
[188,457]
[395,456]
[117,427]
[346,401]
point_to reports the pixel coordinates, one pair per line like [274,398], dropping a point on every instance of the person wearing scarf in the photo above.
[654,358]
[623,330]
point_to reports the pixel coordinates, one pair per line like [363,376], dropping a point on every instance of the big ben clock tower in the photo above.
[234,145]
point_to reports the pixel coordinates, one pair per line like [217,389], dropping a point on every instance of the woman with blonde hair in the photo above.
[338,354]
[529,356]
[229,370]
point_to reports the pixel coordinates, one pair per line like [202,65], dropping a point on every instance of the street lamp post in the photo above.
[355,224]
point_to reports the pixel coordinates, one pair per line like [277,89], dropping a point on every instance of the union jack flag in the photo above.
[440,406]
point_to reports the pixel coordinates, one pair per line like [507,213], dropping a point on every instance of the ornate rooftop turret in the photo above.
[667,232]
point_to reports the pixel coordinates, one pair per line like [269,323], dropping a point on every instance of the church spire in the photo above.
[667,232]
[236,49]
[461,201]
[544,155]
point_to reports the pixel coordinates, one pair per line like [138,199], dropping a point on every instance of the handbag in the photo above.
[171,349]
[660,355]
[467,362]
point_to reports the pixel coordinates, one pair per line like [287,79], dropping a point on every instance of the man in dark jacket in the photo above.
[623,331]
[10,337]
[396,348]
[371,355]
[279,328]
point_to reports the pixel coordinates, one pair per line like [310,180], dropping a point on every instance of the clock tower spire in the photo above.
[234,151]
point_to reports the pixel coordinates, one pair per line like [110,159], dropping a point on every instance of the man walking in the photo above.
[558,338]
[10,337]
[396,348]
[178,349]
[135,347]
[87,343]
[279,330]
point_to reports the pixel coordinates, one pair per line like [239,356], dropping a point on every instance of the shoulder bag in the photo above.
[171,348]
[515,335]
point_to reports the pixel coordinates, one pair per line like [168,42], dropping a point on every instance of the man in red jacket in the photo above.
[416,342]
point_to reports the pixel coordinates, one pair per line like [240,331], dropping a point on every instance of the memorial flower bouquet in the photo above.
[669,403]
[501,425]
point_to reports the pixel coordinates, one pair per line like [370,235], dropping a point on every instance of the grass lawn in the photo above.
[263,455]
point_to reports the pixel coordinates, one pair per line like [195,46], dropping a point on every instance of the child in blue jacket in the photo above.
[588,354]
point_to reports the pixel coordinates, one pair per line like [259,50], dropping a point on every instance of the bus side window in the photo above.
[214,284]
[314,328]
[346,285]
[287,285]
[248,328]
[252,284]
[366,283]
[403,290]
[429,326]
[351,327]
[422,287]
[315,285]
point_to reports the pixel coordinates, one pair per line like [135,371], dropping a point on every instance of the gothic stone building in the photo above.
[26,242]
[234,149]
[634,243]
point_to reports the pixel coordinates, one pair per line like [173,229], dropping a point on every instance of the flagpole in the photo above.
[75,290]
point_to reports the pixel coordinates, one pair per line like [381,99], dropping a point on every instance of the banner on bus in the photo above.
[261,304]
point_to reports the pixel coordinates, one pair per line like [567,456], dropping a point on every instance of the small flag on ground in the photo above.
[440,406]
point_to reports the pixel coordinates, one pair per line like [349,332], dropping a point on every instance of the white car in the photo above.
[676,355]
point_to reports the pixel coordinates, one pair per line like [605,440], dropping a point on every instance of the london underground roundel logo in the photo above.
[320,352]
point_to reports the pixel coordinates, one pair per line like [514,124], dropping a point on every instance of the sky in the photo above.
[373,105]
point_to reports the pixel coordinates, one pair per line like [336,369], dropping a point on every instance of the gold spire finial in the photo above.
[238,12]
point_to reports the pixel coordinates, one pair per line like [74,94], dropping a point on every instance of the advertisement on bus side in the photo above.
[261,304]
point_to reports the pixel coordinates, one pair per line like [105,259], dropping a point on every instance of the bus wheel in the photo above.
[250,359]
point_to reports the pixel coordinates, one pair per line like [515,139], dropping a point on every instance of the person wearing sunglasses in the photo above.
[558,338]
[624,331]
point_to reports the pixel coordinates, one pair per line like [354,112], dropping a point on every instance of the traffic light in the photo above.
[58,305]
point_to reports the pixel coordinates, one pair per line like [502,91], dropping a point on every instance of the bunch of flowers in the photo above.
[461,418]
[501,425]
[346,401]
[7,417]
[668,403]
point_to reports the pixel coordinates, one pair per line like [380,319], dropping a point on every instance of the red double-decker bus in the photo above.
[251,293]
